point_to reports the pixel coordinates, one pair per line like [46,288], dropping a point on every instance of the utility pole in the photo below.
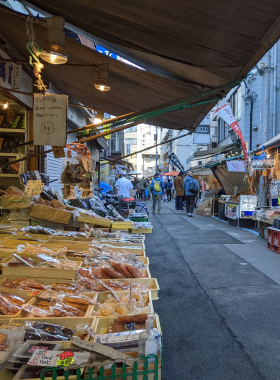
[265,66]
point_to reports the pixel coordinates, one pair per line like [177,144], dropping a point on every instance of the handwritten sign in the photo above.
[48,358]
[50,119]
[247,205]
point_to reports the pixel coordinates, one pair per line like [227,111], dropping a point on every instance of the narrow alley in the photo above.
[219,302]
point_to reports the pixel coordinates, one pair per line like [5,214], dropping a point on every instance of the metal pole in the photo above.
[265,102]
[251,124]
[156,149]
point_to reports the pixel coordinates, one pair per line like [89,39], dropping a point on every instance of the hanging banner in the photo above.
[50,119]
[236,166]
[225,113]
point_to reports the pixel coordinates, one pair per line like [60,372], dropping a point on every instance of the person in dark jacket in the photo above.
[190,186]
[168,188]
[178,184]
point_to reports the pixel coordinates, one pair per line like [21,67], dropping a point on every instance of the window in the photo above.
[236,103]
[226,130]
[132,129]
[131,141]
[221,129]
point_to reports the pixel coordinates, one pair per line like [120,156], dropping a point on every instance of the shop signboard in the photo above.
[13,77]
[247,205]
[275,193]
[236,166]
[231,210]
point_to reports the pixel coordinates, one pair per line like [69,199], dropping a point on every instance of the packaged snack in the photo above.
[135,272]
[121,268]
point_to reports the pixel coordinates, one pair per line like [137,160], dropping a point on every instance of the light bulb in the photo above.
[96,120]
[5,105]
[102,88]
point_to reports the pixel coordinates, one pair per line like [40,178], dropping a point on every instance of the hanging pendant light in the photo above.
[5,105]
[102,83]
[53,51]
[98,117]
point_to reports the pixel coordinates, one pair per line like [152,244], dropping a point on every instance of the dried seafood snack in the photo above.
[113,273]
[7,307]
[122,269]
[135,272]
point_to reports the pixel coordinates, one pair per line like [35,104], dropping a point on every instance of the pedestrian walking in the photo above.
[180,192]
[142,187]
[157,187]
[190,185]
[138,191]
[168,188]
[124,187]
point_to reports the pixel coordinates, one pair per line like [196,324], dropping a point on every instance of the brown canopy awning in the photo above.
[202,41]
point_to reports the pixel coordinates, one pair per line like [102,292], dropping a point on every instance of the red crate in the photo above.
[273,236]
[273,248]
[269,235]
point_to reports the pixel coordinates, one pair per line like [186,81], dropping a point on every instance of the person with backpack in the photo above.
[157,187]
[190,186]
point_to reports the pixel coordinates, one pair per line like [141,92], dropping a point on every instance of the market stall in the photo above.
[74,289]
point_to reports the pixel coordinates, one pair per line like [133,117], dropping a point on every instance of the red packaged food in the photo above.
[135,272]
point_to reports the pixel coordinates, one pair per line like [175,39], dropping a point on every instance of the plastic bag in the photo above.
[7,307]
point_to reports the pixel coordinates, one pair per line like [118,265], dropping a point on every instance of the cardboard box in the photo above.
[16,201]
[51,214]
[207,211]
[202,204]
[199,212]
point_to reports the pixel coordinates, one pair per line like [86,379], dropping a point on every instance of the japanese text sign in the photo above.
[50,119]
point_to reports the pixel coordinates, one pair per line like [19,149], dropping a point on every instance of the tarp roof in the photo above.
[204,42]
[275,141]
[173,173]
[215,151]
[131,89]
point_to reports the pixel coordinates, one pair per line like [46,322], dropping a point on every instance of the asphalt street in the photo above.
[219,299]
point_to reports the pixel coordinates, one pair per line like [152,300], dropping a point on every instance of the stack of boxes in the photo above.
[204,208]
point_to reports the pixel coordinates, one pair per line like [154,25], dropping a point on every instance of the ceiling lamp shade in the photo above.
[102,83]
[53,51]
[54,54]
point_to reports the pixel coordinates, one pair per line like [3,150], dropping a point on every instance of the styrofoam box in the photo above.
[20,223]
[20,214]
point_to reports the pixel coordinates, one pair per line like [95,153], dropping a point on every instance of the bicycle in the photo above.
[140,208]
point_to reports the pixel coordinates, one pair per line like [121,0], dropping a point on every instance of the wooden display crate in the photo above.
[101,296]
[39,272]
[96,221]
[144,281]
[101,325]
[27,316]
[67,322]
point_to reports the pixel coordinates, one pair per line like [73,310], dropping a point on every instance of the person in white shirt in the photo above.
[124,187]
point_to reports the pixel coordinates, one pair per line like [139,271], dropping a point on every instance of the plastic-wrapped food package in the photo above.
[135,272]
[51,329]
[9,305]
[121,268]
[111,272]
[116,214]
[25,284]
